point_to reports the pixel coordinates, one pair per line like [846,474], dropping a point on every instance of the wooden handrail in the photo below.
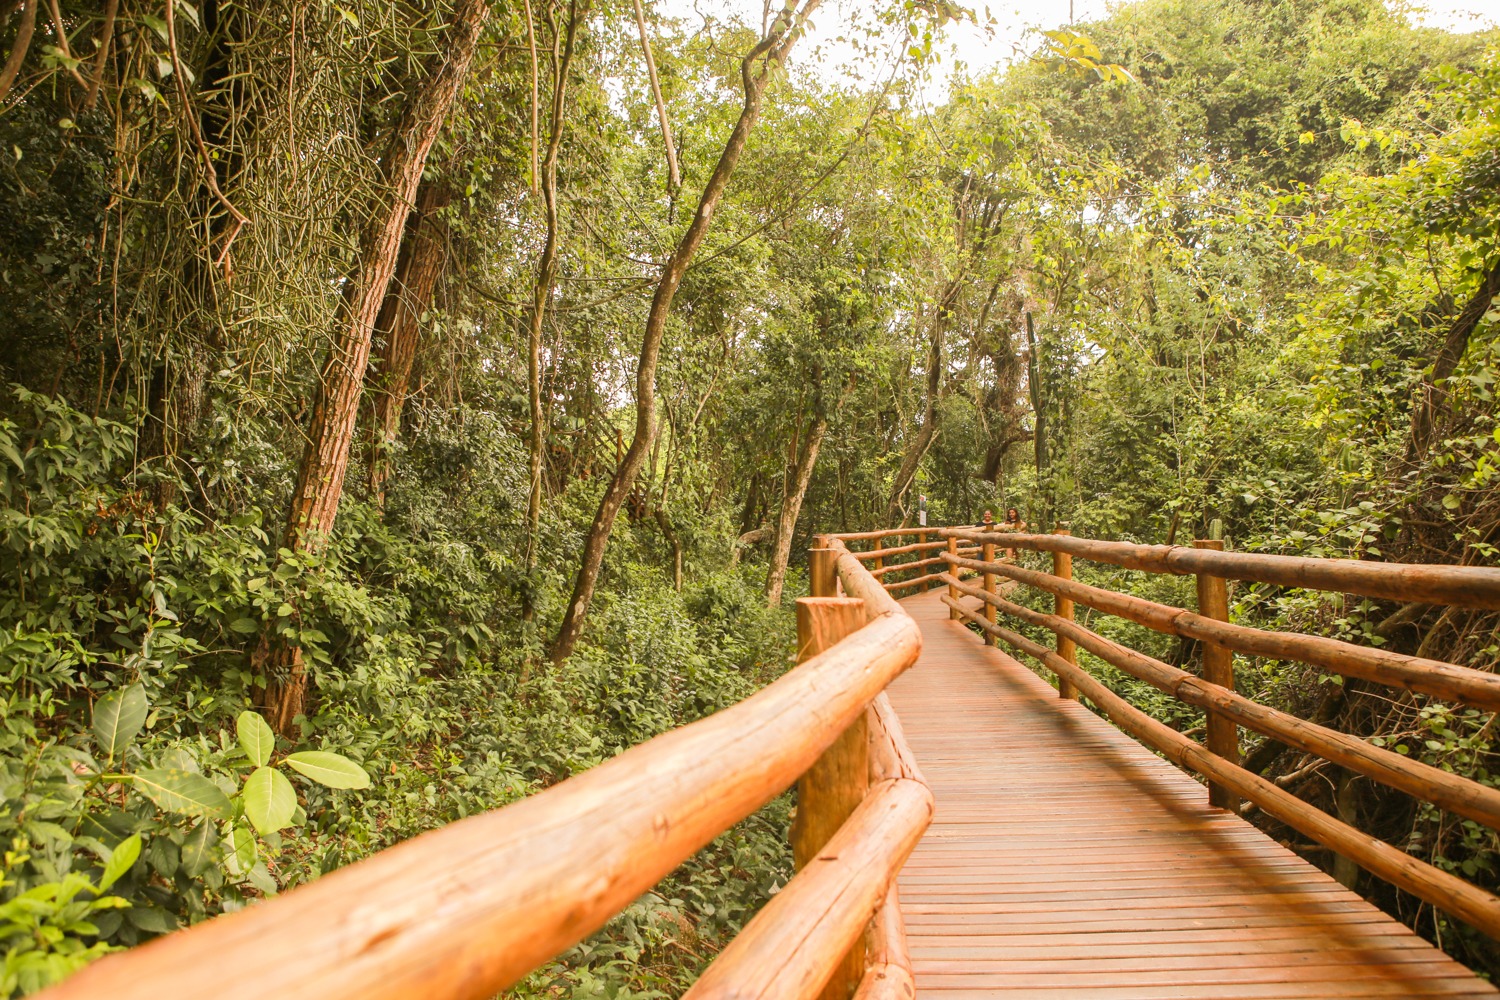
[467,910]
[1465,586]
[1413,673]
[1449,791]
[786,950]
[915,564]
[1461,586]
[899,550]
[1445,891]
[865,536]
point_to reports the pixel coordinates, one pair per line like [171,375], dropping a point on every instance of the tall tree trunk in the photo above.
[320,480]
[409,297]
[546,278]
[791,506]
[756,70]
[917,449]
[1038,398]
[1433,401]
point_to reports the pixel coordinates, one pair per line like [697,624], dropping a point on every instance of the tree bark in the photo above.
[1038,398]
[791,506]
[917,449]
[408,299]
[546,278]
[320,479]
[19,47]
[756,70]
[1433,401]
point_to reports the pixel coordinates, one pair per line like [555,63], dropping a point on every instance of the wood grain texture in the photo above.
[1066,861]
[791,948]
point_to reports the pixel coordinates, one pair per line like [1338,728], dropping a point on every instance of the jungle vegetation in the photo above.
[407,406]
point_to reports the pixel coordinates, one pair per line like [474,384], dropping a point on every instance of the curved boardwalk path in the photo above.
[1067,861]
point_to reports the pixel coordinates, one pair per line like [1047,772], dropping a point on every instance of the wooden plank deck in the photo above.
[1067,861]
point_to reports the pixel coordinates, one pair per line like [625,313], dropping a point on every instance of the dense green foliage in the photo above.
[1227,260]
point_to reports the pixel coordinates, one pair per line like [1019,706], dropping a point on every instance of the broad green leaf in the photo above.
[255,737]
[124,855]
[242,852]
[197,848]
[178,791]
[330,769]
[118,717]
[269,799]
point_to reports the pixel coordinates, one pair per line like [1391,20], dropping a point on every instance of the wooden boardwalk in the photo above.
[1067,861]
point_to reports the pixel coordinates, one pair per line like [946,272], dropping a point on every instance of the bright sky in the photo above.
[1013,19]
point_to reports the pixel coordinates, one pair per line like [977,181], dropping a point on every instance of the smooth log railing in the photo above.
[467,910]
[1217,759]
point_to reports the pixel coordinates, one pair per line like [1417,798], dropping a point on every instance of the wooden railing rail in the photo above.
[1461,586]
[1414,673]
[465,911]
[1215,694]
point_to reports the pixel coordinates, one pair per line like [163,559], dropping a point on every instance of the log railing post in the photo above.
[987,554]
[1222,737]
[835,785]
[1062,568]
[952,569]
[822,573]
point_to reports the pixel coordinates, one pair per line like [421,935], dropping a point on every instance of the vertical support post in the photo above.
[921,540]
[953,614]
[835,785]
[1223,737]
[822,573]
[987,554]
[1062,568]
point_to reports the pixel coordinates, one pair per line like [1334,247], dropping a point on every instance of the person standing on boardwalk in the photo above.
[1012,522]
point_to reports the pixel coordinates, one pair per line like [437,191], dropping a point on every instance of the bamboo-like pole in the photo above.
[1445,891]
[1062,568]
[1412,673]
[1461,586]
[1222,736]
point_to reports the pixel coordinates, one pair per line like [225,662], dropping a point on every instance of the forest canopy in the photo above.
[408,406]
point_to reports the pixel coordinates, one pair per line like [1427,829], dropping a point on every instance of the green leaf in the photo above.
[330,769]
[243,851]
[270,802]
[179,791]
[124,855]
[197,848]
[245,626]
[256,737]
[118,717]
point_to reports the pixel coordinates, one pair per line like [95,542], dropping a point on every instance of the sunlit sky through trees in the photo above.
[971,49]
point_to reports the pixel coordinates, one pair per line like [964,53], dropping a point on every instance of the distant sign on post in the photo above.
[921,510]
